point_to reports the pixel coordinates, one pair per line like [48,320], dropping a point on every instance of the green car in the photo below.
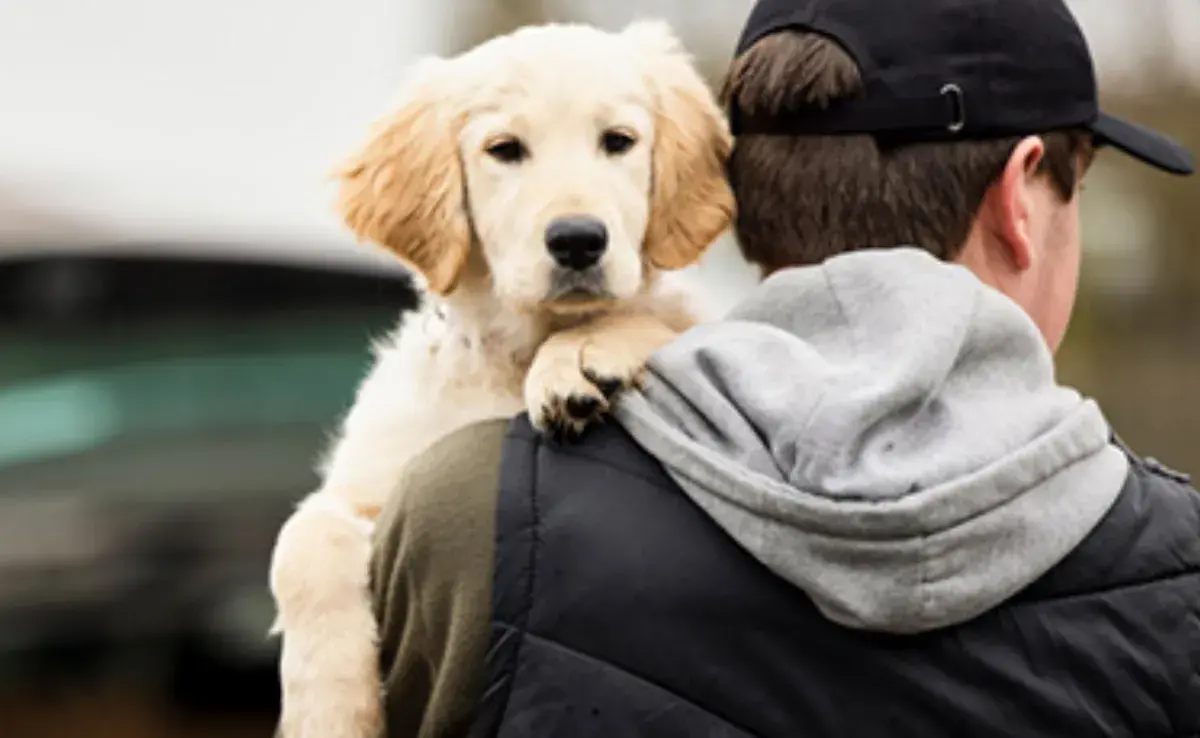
[160,413]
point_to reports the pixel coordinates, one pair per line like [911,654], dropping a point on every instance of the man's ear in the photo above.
[404,188]
[1012,199]
[691,200]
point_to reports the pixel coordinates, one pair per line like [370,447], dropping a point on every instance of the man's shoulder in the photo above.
[454,466]
[460,475]
[605,445]
[1149,538]
[1157,519]
[447,488]
[431,575]
[484,437]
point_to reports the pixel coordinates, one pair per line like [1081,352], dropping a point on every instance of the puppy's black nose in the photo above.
[576,242]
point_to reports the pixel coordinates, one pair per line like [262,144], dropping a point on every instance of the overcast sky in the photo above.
[200,119]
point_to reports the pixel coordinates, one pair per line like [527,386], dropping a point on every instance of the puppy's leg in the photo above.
[560,398]
[329,663]
[577,371]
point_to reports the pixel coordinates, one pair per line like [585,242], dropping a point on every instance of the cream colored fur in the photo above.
[493,336]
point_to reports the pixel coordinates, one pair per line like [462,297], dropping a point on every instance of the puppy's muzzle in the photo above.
[576,242]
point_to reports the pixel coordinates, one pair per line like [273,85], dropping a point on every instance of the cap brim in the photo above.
[1144,144]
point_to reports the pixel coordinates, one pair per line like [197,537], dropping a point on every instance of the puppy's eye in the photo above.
[617,142]
[507,150]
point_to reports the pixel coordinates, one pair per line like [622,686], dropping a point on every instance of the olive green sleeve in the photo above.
[431,575]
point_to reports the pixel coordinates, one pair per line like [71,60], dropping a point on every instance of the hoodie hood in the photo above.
[885,432]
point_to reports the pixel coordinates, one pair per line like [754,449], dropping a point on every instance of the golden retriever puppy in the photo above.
[543,185]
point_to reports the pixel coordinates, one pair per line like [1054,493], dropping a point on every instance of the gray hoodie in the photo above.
[885,432]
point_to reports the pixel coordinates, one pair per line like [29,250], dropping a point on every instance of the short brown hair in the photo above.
[802,199]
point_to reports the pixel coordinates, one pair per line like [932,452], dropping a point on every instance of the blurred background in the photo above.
[183,319]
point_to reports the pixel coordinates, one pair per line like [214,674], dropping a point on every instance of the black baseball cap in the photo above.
[945,70]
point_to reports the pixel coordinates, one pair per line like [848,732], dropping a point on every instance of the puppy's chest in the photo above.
[468,372]
[466,397]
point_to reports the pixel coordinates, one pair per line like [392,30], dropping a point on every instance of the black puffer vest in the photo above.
[621,610]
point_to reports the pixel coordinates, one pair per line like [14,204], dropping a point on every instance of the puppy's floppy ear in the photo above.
[692,202]
[404,188]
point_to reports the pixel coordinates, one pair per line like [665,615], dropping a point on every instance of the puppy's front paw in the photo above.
[560,398]
[613,367]
[576,374]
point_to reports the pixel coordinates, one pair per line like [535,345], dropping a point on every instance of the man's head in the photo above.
[851,138]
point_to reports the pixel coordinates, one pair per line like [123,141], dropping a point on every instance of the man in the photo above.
[861,506]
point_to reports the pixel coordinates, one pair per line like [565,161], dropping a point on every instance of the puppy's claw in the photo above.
[608,386]
[583,408]
[578,374]
[565,419]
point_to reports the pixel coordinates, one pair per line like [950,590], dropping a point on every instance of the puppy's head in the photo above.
[562,162]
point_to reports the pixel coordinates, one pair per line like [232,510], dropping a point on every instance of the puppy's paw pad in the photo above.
[583,407]
[565,418]
[560,399]
[608,386]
